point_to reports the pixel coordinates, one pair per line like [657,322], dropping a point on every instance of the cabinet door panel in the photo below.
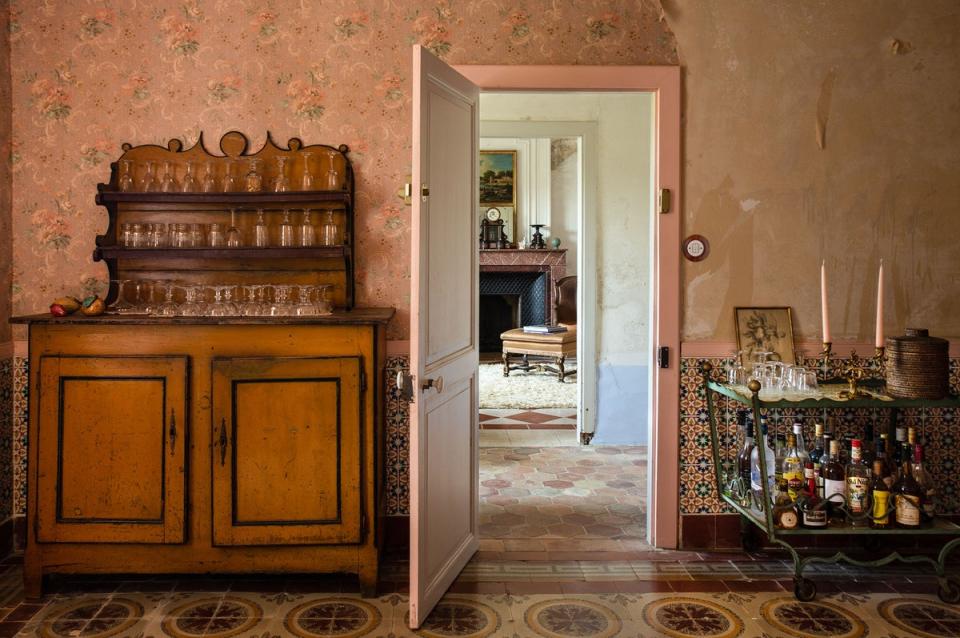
[111,449]
[286,451]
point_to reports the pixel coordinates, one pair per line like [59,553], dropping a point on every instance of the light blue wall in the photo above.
[622,405]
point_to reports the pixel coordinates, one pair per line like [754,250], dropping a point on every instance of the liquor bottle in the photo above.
[911,442]
[885,465]
[743,459]
[858,486]
[897,453]
[801,443]
[880,495]
[784,513]
[756,477]
[868,448]
[834,483]
[845,448]
[926,483]
[812,515]
[792,468]
[778,450]
[818,469]
[817,452]
[907,499]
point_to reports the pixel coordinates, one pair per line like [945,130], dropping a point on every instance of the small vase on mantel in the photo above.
[537,240]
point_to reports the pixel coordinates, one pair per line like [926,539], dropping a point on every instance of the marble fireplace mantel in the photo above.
[553,262]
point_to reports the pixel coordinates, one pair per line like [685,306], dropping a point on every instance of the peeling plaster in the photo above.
[823,107]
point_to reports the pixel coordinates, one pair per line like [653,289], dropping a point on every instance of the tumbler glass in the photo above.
[215,236]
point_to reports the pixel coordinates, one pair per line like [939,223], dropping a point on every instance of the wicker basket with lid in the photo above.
[918,365]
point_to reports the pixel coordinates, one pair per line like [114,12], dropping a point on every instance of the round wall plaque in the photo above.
[696,248]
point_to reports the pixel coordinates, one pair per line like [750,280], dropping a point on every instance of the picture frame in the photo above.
[498,185]
[766,328]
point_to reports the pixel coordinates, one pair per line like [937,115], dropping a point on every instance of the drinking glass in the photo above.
[217,308]
[149,182]
[193,305]
[281,306]
[215,237]
[179,236]
[158,238]
[136,236]
[330,232]
[126,233]
[324,307]
[230,183]
[196,236]
[253,181]
[125,179]
[168,183]
[234,236]
[169,307]
[230,307]
[333,180]
[307,181]
[145,296]
[280,183]
[251,307]
[286,229]
[261,232]
[208,183]
[306,234]
[123,304]
[808,383]
[304,307]
[190,183]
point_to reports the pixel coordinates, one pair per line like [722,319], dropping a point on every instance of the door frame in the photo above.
[664,83]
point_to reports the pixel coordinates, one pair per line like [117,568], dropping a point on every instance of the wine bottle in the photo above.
[792,468]
[834,484]
[818,468]
[868,447]
[858,485]
[880,495]
[908,499]
[812,515]
[743,459]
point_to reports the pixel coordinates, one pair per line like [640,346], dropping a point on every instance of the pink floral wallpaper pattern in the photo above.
[87,76]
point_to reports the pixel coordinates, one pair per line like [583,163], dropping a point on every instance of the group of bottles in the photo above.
[838,483]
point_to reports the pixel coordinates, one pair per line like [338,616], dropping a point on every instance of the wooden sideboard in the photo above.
[205,445]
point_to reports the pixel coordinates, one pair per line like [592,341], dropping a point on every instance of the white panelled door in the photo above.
[443,343]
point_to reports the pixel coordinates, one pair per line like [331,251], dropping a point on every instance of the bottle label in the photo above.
[815,518]
[794,482]
[808,473]
[881,507]
[834,487]
[857,487]
[908,510]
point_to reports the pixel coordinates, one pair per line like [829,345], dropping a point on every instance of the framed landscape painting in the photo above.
[497,178]
[765,329]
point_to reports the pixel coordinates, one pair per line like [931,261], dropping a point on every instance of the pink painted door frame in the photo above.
[664,83]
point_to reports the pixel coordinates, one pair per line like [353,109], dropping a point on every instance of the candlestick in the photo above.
[878,342]
[824,308]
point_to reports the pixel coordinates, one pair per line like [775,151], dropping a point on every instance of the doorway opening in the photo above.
[564,416]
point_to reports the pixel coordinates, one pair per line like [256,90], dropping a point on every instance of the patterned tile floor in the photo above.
[588,493]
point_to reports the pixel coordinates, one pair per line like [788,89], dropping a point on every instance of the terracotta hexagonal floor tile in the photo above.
[507,519]
[603,531]
[565,530]
[498,483]
[558,484]
[579,519]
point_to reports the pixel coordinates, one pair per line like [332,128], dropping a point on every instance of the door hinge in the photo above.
[664,201]
[663,357]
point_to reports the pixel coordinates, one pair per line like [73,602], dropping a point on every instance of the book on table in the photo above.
[544,329]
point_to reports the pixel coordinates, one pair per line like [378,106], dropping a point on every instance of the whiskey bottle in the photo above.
[792,468]
[812,515]
[886,473]
[880,496]
[834,486]
[926,483]
[858,486]
[908,499]
[743,459]
[801,443]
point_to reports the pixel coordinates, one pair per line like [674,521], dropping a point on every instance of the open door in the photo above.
[444,354]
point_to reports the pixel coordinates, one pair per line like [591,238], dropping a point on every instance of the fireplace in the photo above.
[510,300]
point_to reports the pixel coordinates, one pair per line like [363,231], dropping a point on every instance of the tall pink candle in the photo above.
[824,308]
[879,339]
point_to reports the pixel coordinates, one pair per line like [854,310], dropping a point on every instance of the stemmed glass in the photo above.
[280,183]
[333,176]
[261,232]
[149,182]
[323,305]
[230,184]
[306,235]
[125,180]
[168,308]
[281,306]
[304,307]
[123,305]
[286,229]
[145,294]
[193,305]
[234,236]
[252,307]
[307,181]
[190,183]
[218,308]
[168,183]
[330,232]
[208,184]
[253,182]
[230,308]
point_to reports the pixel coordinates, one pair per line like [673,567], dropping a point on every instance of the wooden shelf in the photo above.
[239,199]
[315,252]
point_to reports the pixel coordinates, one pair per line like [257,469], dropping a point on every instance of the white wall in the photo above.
[623,221]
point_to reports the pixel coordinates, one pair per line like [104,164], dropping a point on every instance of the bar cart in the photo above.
[805,589]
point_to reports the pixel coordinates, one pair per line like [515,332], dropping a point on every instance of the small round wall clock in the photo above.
[696,247]
[493,214]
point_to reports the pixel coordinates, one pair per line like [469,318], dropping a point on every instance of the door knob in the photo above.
[436,384]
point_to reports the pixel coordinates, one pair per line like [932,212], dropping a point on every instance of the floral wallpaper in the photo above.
[88,76]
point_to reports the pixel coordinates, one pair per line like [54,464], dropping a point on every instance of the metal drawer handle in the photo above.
[223,441]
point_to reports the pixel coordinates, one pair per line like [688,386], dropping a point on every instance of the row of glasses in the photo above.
[778,380]
[159,298]
[165,180]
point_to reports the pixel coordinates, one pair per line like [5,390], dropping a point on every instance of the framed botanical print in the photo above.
[498,171]
[767,329]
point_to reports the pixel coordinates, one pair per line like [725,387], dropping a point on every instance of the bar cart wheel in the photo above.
[949,591]
[804,589]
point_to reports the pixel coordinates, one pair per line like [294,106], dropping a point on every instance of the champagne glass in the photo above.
[193,305]
[330,232]
[306,234]
[251,307]
[280,183]
[261,232]
[149,182]
[145,296]
[168,183]
[286,229]
[123,305]
[190,183]
[307,181]
[234,236]
[125,180]
[253,181]
[333,180]
[208,184]
[169,307]
[230,184]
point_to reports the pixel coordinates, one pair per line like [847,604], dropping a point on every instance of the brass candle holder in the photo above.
[854,371]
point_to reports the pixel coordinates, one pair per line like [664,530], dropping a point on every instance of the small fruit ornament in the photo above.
[63,306]
[93,306]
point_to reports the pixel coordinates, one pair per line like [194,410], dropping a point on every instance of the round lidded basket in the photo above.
[918,365]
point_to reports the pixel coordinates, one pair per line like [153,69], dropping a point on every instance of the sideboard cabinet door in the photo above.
[112,435]
[286,446]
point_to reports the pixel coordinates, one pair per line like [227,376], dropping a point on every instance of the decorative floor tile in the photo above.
[683,616]
[812,619]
